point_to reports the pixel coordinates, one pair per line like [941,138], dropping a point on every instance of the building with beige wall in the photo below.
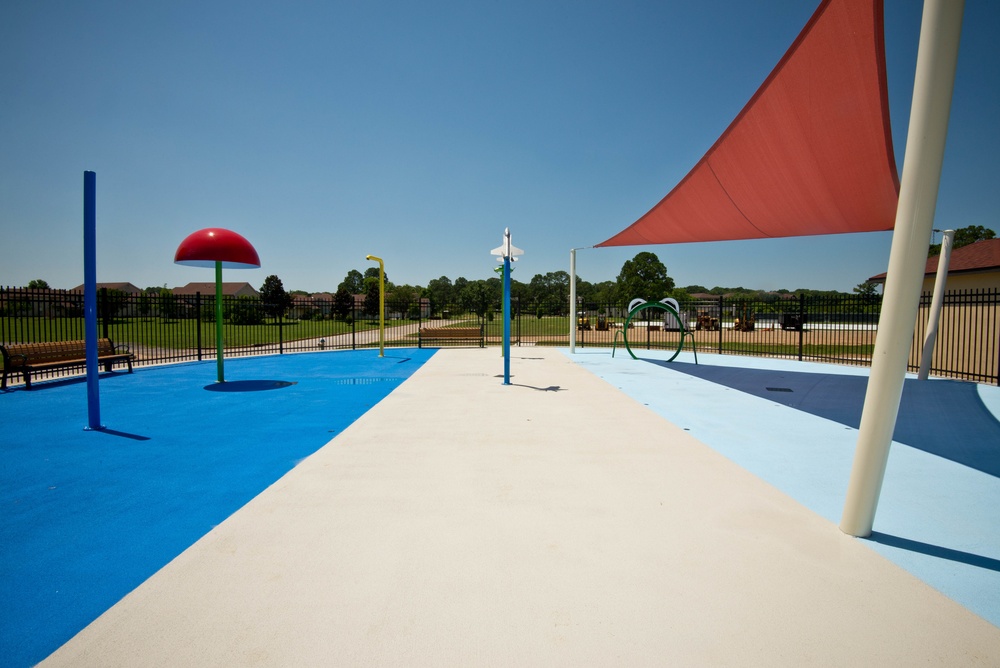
[970,313]
[972,267]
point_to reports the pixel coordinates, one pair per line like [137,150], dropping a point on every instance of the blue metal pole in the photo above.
[90,298]
[506,320]
[220,363]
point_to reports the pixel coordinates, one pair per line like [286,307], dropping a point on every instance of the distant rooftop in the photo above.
[978,257]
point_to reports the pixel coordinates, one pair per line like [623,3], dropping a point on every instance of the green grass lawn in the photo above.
[178,334]
[182,334]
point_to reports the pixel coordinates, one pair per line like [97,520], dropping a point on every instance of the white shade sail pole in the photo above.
[937,58]
[936,304]
[572,300]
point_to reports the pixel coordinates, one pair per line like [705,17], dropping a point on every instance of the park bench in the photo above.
[428,335]
[25,358]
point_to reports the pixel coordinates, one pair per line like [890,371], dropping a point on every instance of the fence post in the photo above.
[105,316]
[802,321]
[720,323]
[5,316]
[281,333]
[197,321]
[519,322]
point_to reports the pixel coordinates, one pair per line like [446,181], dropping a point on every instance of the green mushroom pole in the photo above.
[219,248]
[219,362]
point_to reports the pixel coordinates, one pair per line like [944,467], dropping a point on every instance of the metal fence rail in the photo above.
[165,327]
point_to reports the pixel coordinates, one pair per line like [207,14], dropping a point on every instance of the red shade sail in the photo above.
[810,153]
[214,244]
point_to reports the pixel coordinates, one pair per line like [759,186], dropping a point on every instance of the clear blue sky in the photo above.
[418,131]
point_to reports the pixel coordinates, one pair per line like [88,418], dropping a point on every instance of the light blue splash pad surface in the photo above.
[937,518]
[89,515]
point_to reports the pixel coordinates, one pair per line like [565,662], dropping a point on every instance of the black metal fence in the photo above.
[166,327]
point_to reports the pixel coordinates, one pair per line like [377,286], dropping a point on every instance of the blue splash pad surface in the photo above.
[946,418]
[89,515]
[937,511]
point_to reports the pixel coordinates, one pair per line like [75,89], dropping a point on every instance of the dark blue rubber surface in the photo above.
[89,515]
[943,417]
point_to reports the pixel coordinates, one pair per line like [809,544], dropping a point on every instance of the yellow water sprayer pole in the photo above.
[381,303]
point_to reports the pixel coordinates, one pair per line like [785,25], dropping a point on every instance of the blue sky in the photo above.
[326,131]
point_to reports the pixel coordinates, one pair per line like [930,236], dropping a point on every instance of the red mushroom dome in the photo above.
[214,244]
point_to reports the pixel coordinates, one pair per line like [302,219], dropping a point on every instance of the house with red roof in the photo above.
[208,289]
[972,267]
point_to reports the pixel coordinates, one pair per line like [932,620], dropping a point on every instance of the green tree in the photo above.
[965,236]
[684,297]
[242,311]
[644,276]
[479,297]
[144,305]
[168,304]
[274,300]
[38,284]
[519,294]
[439,291]
[552,289]
[354,282]
[343,303]
[604,292]
[371,293]
[401,297]
[866,289]
[110,302]
[372,272]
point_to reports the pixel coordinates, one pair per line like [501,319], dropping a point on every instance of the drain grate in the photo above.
[778,389]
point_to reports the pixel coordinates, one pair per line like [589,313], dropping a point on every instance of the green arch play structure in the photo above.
[662,307]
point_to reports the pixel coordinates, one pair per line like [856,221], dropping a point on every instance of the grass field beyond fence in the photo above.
[842,330]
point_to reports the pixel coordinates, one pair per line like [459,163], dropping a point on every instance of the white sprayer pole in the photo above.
[936,303]
[572,300]
[937,57]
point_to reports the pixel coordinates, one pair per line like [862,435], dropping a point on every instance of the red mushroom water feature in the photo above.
[219,248]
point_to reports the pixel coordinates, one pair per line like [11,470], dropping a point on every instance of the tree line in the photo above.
[643,276]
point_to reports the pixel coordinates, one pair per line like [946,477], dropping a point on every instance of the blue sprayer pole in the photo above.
[90,299]
[506,320]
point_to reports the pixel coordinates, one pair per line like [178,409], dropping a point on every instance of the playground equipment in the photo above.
[789,321]
[507,252]
[217,247]
[745,320]
[671,307]
[706,321]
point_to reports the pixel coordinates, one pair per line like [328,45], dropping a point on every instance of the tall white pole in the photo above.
[572,300]
[936,304]
[937,57]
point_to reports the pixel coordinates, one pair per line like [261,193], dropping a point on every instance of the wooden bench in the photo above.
[24,358]
[451,334]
